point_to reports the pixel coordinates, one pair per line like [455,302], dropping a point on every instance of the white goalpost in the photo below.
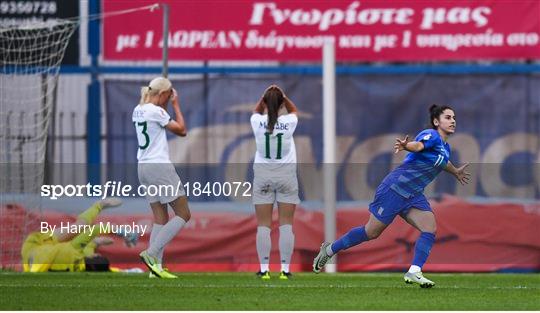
[329,146]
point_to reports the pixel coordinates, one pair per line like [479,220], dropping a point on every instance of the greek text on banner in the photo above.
[381,30]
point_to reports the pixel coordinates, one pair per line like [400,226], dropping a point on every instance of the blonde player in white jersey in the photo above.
[155,168]
[274,176]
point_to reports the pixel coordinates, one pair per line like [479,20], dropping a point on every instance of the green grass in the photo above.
[243,291]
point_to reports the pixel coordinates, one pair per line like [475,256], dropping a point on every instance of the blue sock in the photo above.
[354,237]
[423,248]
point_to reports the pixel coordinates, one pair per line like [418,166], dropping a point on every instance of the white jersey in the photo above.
[150,121]
[278,147]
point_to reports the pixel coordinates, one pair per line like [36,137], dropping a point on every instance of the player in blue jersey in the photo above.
[401,193]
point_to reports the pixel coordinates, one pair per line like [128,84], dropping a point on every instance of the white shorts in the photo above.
[268,189]
[164,177]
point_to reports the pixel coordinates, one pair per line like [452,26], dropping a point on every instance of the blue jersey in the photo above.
[420,168]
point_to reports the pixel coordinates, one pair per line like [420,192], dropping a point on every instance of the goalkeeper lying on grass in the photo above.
[74,252]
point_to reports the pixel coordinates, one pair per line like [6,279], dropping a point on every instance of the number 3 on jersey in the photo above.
[144,133]
[279,143]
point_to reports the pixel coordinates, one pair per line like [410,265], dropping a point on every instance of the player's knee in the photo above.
[264,224]
[373,233]
[161,220]
[429,228]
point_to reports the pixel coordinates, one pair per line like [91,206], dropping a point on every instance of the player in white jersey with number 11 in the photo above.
[275,178]
[155,168]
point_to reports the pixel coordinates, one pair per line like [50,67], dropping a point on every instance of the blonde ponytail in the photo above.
[144,94]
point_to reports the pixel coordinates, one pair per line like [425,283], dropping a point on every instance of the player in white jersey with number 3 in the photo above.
[151,119]
[275,178]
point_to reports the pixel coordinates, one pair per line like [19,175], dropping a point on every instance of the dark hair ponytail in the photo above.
[435,112]
[273,98]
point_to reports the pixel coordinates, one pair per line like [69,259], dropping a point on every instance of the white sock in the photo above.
[160,257]
[286,246]
[329,251]
[415,269]
[156,228]
[264,245]
[165,235]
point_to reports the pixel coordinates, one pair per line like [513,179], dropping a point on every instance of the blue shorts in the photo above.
[388,204]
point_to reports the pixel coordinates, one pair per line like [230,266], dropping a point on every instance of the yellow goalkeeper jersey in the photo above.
[42,252]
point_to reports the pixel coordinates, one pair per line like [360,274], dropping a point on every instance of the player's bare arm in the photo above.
[407,145]
[289,105]
[177,126]
[259,107]
[459,173]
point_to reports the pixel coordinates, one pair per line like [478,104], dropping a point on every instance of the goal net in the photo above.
[30,58]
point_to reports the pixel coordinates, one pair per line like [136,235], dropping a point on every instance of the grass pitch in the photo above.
[243,291]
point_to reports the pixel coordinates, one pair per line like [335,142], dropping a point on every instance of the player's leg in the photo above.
[179,204]
[150,175]
[353,237]
[287,199]
[161,217]
[263,198]
[357,235]
[182,213]
[165,235]
[164,174]
[87,217]
[424,220]
[173,226]
[286,237]
[384,208]
[83,239]
[263,212]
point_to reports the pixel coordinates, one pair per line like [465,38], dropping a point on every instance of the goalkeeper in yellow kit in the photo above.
[57,251]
